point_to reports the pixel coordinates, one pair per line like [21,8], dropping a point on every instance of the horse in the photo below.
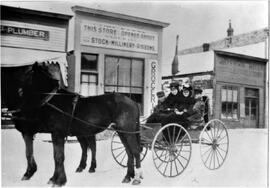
[47,108]
[12,81]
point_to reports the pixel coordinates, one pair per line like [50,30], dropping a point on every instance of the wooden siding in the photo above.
[240,71]
[56,42]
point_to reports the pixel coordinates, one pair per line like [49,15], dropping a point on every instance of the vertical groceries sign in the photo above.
[118,37]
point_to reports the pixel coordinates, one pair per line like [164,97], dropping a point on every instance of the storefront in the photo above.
[117,53]
[234,83]
[29,35]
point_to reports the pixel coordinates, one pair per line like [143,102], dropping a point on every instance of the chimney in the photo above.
[175,59]
[205,47]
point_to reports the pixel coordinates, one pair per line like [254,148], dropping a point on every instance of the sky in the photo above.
[196,22]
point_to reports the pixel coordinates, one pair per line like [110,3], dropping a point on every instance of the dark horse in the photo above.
[47,108]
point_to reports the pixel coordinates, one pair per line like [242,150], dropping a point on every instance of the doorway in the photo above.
[251,108]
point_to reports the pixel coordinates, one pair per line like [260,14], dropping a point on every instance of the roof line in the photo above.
[37,12]
[119,16]
[187,74]
[220,52]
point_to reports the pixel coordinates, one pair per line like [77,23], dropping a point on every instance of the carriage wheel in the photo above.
[214,144]
[171,150]
[119,152]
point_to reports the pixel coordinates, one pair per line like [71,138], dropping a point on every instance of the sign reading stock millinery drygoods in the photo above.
[118,37]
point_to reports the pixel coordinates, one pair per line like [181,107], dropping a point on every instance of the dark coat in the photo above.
[185,102]
[172,101]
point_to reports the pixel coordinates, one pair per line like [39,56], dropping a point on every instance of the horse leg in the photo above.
[130,162]
[59,176]
[83,143]
[31,164]
[93,147]
[134,145]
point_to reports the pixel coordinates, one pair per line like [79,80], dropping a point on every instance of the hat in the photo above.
[174,84]
[160,94]
[197,91]
[185,87]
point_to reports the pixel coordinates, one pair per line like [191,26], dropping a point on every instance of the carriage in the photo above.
[171,146]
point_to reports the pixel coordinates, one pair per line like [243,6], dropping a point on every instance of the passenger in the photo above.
[171,102]
[185,100]
[161,98]
[195,114]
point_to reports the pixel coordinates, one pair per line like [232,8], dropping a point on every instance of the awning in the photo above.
[13,57]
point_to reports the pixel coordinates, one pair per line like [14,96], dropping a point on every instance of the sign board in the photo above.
[113,36]
[24,32]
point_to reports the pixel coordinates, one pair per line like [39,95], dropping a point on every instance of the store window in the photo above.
[229,102]
[89,74]
[125,75]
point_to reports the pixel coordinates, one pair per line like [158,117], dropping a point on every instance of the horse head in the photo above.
[43,81]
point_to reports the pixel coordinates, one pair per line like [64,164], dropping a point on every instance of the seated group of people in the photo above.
[181,106]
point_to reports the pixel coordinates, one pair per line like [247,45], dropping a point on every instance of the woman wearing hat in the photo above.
[185,100]
[172,100]
[194,115]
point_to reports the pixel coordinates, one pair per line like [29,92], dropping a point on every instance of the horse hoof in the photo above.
[126,180]
[79,169]
[25,178]
[56,185]
[136,182]
[50,182]
[91,170]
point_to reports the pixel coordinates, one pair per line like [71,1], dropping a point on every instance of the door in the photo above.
[251,108]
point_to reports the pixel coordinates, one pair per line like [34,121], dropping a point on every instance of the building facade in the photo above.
[116,53]
[235,85]
[29,35]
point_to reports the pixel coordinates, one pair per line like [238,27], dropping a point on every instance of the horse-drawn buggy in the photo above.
[40,104]
[171,145]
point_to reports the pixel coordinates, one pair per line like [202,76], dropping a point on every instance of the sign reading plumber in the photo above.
[118,37]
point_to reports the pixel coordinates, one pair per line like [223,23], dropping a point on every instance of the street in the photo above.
[246,163]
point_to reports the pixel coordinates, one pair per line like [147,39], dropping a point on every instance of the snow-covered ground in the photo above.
[246,164]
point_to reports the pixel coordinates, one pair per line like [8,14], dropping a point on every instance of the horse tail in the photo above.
[138,135]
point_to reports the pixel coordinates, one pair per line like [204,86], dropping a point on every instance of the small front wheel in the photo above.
[119,152]
[171,150]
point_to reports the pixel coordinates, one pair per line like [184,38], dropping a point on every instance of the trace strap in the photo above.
[88,123]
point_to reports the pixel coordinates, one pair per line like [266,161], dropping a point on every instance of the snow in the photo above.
[246,163]
[196,62]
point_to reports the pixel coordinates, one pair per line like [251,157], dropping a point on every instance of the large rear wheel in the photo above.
[214,144]
[171,150]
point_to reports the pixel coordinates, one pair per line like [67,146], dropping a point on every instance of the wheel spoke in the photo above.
[223,137]
[120,153]
[176,167]
[207,151]
[178,135]
[220,155]
[173,134]
[164,172]
[164,138]
[209,154]
[118,148]
[117,142]
[222,149]
[180,163]
[123,158]
[212,153]
[211,140]
[171,168]
[217,158]
[168,131]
